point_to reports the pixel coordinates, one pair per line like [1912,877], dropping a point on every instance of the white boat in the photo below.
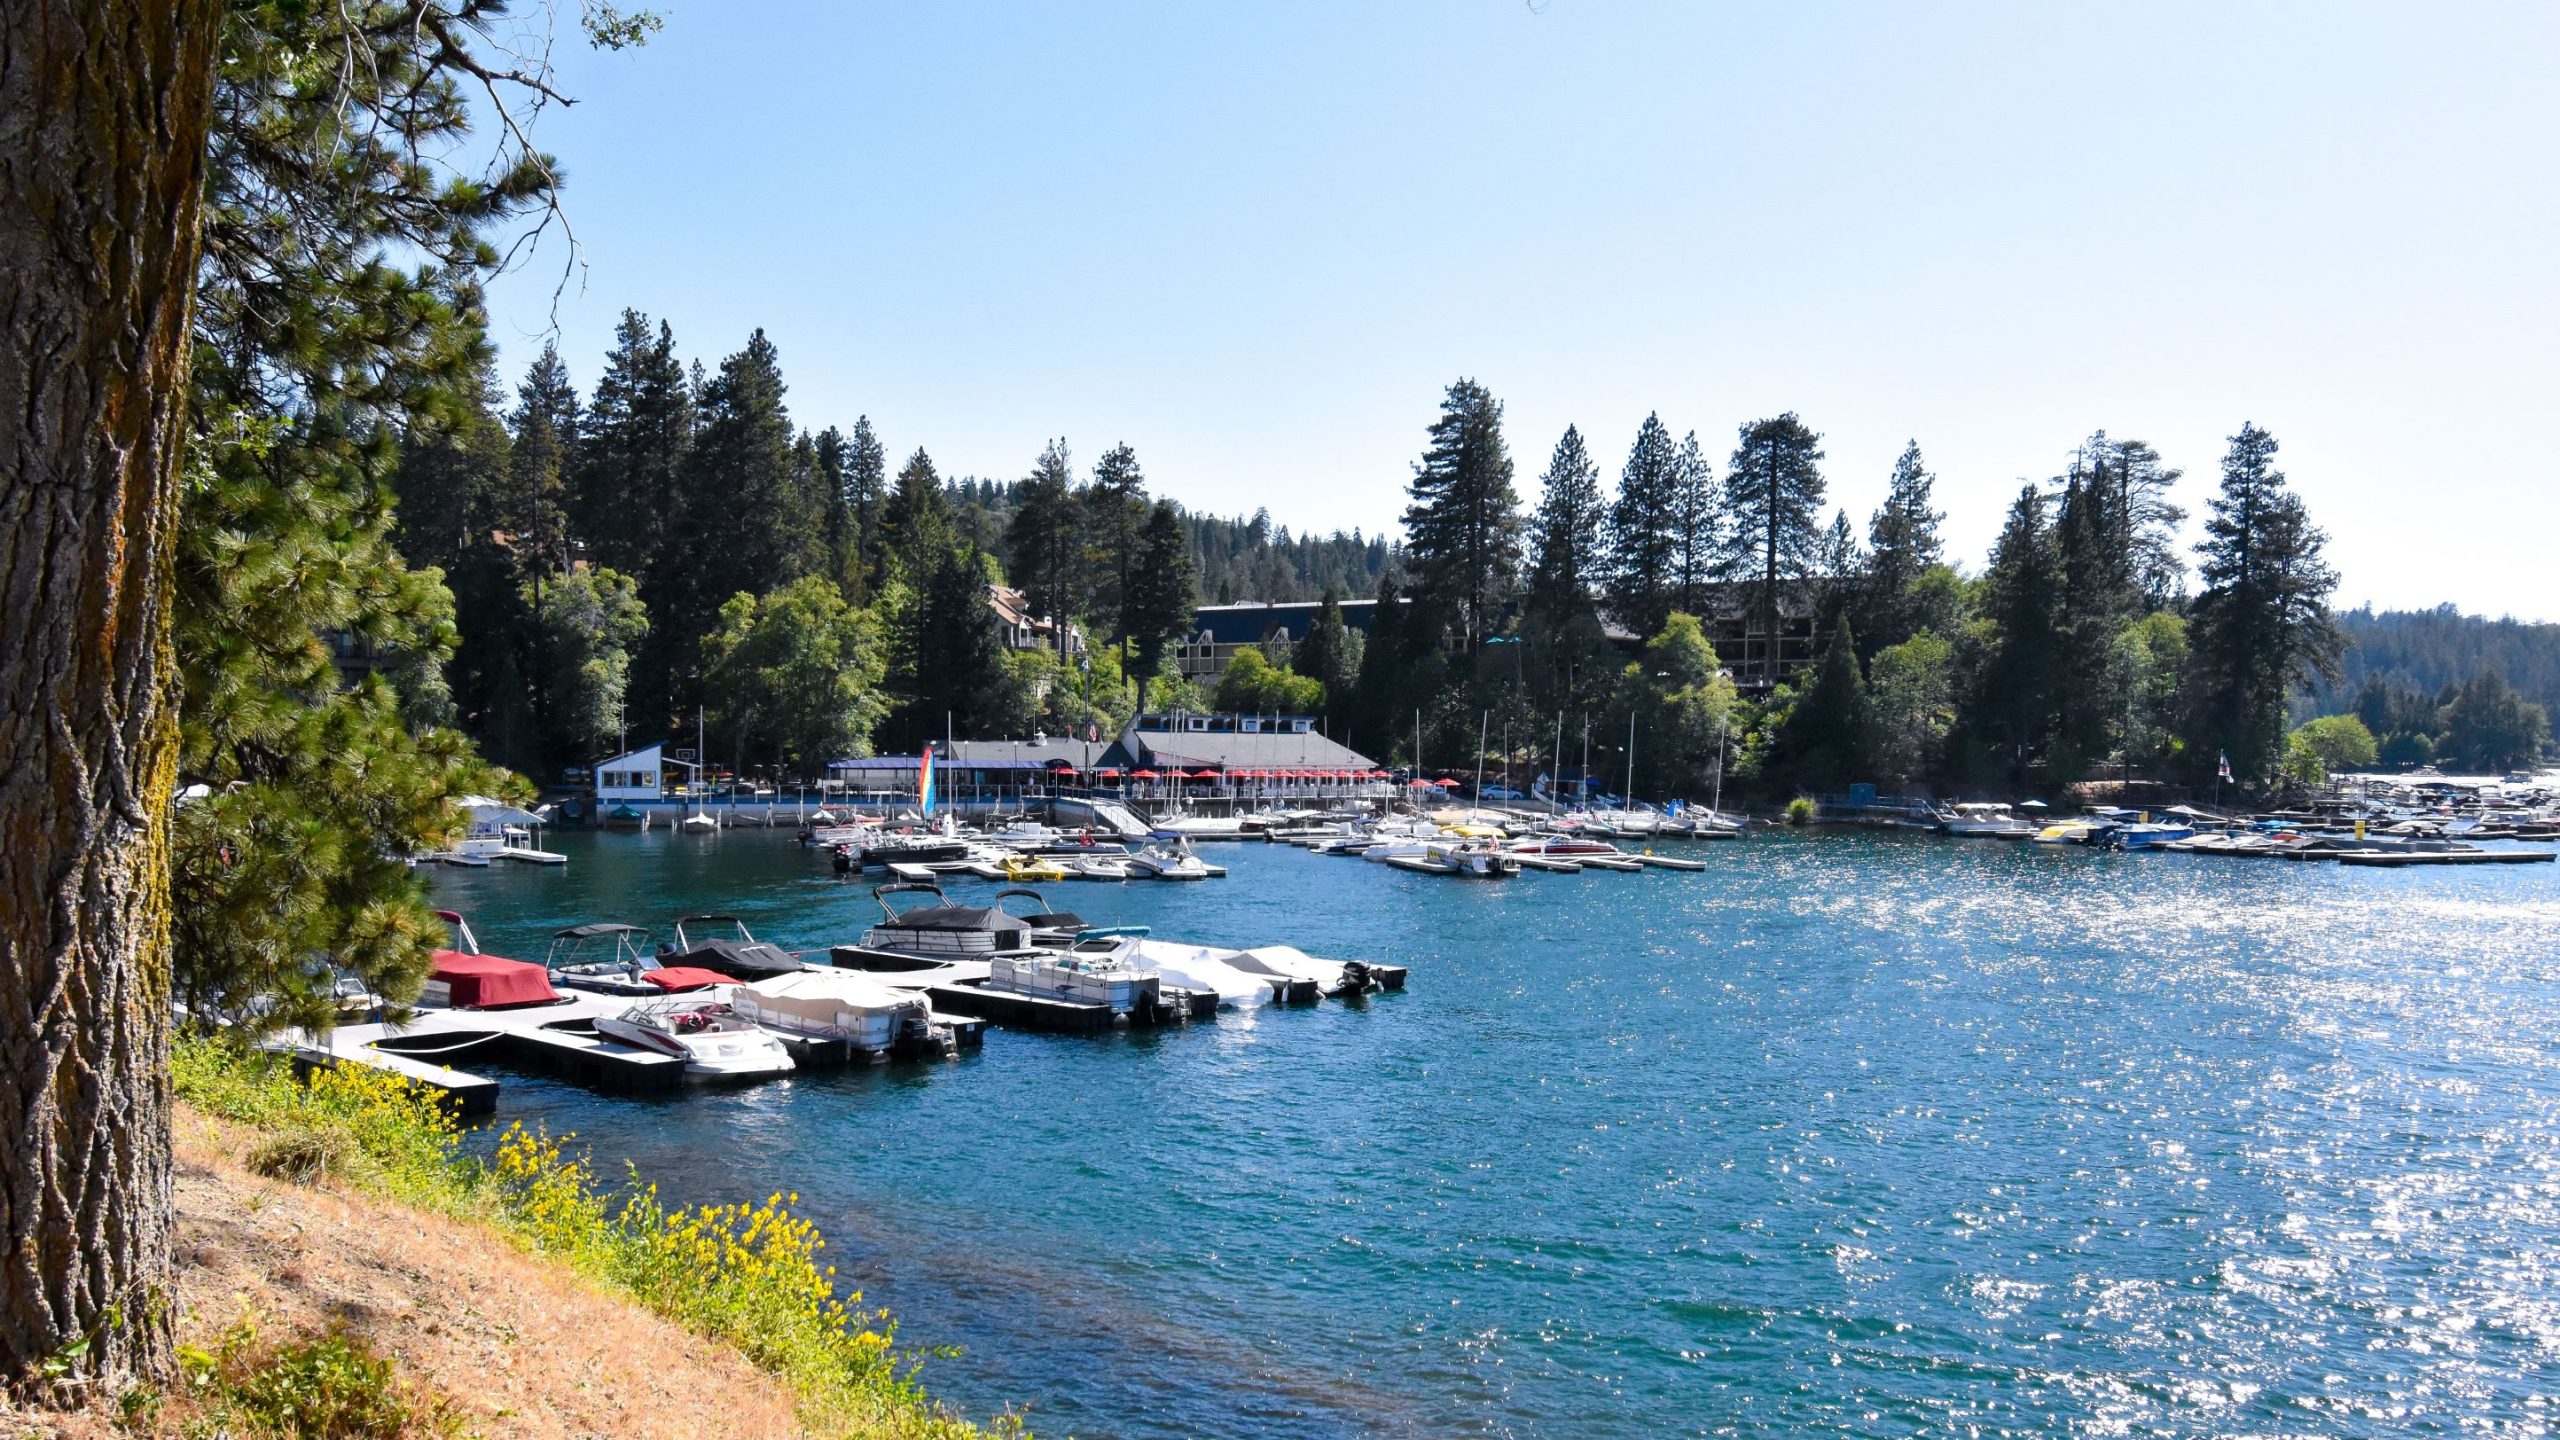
[1200,967]
[700,822]
[1096,867]
[713,1040]
[1174,862]
[1331,977]
[1104,976]
[1481,859]
[1983,820]
[858,1009]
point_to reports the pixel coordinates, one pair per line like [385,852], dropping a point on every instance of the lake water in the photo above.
[1851,1135]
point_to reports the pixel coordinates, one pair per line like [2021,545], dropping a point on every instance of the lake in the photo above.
[1852,1134]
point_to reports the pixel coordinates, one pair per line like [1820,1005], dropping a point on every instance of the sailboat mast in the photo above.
[1631,758]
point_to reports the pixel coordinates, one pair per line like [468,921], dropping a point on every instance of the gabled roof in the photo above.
[1233,751]
[1247,624]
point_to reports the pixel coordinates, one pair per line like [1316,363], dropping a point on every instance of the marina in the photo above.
[1805,1057]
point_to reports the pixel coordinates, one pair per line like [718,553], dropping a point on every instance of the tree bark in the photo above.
[103,112]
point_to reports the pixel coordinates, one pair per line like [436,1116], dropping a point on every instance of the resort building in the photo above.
[1268,746]
[1219,631]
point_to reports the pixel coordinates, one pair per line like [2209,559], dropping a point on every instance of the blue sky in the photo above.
[1256,242]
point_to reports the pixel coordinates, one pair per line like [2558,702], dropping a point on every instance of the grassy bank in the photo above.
[751,1277]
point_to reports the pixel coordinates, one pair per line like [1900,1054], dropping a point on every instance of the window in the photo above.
[1251,725]
[1300,726]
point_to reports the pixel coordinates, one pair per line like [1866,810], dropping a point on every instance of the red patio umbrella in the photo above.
[1417,784]
[1446,784]
[1144,775]
[1204,774]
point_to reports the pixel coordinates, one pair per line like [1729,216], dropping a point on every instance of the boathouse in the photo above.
[635,777]
[1275,746]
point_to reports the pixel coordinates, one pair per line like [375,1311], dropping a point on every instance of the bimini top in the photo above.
[604,927]
[946,917]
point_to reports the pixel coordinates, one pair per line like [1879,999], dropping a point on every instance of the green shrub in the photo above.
[1800,810]
[747,1275]
[331,1387]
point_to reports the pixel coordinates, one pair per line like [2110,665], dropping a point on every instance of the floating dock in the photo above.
[557,1040]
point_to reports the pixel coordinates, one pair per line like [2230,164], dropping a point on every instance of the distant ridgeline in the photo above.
[1233,558]
[2434,650]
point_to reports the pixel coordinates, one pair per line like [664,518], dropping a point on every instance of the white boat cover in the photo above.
[1294,963]
[1198,967]
[840,1003]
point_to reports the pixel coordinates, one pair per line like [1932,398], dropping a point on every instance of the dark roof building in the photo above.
[1231,743]
[1219,631]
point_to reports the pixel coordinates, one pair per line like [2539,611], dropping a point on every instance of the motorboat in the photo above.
[2146,835]
[843,1005]
[1984,820]
[625,817]
[1557,845]
[1050,929]
[1103,976]
[739,955]
[1098,867]
[461,977]
[1184,966]
[1481,859]
[942,931]
[708,1034]
[611,959]
[1168,862]
[1030,868]
[1331,977]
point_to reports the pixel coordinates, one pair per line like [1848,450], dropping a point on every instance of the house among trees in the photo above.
[1026,631]
[634,777]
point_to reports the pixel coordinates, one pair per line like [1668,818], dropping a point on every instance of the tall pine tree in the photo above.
[1694,516]
[1566,532]
[1156,608]
[744,521]
[1902,545]
[2261,623]
[1044,542]
[1773,493]
[1115,515]
[1645,536]
[2011,711]
[1462,529]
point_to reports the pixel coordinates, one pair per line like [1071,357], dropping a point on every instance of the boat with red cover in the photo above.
[463,978]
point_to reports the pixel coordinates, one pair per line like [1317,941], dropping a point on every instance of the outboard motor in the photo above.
[844,859]
[1357,979]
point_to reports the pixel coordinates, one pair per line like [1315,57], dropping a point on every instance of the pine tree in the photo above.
[1115,513]
[2261,622]
[2011,712]
[1694,517]
[866,481]
[1157,608]
[531,509]
[1823,740]
[743,524]
[1329,654]
[1568,560]
[638,426]
[1044,542]
[1462,530]
[1645,535]
[1773,493]
[915,524]
[955,659]
[546,391]
[1902,545]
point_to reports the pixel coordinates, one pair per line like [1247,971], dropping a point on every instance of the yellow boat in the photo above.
[1475,832]
[1032,867]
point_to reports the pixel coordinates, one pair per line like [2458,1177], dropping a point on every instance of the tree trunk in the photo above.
[103,114]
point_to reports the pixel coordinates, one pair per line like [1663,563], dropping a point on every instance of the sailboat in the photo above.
[701,821]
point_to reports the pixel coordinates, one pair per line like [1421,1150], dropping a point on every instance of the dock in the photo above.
[554,1040]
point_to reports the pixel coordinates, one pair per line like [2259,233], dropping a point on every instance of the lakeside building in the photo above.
[635,777]
[1259,746]
[1219,631]
[1025,631]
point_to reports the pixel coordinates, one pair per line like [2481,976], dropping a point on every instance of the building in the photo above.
[638,776]
[1219,631]
[1234,745]
[1026,631]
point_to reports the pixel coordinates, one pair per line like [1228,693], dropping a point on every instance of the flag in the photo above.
[924,781]
[2225,771]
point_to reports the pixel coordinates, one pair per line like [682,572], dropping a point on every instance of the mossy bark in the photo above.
[103,114]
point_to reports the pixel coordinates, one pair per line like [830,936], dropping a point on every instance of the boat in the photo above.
[611,959]
[1479,858]
[1099,867]
[713,1040]
[1174,862]
[1668,862]
[1984,820]
[1030,868]
[740,956]
[1187,967]
[700,822]
[942,931]
[845,1006]
[1420,861]
[625,817]
[460,977]
[1331,977]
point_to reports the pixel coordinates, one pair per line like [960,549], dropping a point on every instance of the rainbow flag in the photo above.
[924,781]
